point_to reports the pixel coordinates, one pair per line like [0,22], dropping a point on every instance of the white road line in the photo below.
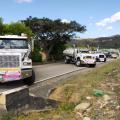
[59,75]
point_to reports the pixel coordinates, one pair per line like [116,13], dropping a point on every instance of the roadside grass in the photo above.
[73,92]
[7,116]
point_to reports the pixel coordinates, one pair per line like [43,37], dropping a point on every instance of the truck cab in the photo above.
[79,58]
[85,59]
[15,61]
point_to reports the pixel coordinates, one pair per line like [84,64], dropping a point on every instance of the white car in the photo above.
[100,57]
[113,55]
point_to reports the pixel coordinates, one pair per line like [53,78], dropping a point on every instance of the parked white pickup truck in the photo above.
[75,56]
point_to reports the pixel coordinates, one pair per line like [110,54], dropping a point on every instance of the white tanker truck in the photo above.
[76,56]
[15,61]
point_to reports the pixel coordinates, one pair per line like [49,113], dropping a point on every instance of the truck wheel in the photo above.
[78,63]
[30,80]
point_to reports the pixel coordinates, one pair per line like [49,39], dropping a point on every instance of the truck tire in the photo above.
[78,63]
[30,80]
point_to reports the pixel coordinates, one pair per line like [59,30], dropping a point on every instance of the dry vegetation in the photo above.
[83,85]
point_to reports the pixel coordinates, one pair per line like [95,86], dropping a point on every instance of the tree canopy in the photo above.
[51,32]
[1,26]
[15,28]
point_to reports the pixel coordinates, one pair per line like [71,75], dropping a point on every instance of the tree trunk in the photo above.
[48,51]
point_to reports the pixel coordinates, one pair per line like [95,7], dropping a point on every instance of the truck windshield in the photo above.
[13,44]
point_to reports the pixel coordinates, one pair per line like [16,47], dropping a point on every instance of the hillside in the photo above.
[102,42]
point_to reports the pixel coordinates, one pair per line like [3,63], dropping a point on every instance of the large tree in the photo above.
[51,32]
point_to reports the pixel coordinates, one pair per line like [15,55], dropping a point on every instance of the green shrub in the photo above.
[57,52]
[7,116]
[36,56]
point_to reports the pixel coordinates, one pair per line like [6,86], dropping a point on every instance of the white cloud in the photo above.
[65,21]
[109,28]
[103,22]
[24,1]
[114,18]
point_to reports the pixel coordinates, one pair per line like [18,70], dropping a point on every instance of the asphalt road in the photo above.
[50,70]
[44,72]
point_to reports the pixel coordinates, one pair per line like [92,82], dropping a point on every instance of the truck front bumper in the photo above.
[88,62]
[15,74]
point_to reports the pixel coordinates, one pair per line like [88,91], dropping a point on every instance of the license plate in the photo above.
[101,59]
[88,58]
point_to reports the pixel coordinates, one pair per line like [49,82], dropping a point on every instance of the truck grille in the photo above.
[11,61]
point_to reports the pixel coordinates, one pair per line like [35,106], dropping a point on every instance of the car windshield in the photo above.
[101,56]
[13,43]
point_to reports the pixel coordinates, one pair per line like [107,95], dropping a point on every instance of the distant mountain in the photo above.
[102,42]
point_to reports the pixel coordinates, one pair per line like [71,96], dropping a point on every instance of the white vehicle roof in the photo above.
[99,53]
[86,54]
[14,37]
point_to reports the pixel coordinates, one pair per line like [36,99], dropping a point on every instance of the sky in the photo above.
[101,17]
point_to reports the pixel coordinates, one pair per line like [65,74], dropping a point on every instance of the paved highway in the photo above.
[50,70]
